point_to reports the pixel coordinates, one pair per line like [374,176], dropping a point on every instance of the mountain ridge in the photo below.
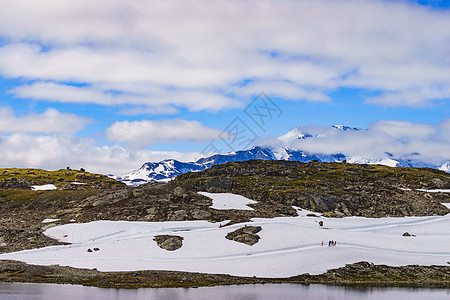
[168,169]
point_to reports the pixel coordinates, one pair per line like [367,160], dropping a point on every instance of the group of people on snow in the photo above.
[330,243]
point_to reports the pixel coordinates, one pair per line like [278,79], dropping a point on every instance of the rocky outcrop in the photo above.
[362,273]
[169,242]
[108,198]
[201,214]
[246,235]
[15,183]
[14,271]
[334,189]
[365,273]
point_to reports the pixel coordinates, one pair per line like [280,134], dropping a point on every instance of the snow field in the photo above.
[45,187]
[288,246]
[228,201]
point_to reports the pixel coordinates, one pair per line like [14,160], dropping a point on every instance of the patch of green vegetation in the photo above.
[58,178]
[18,194]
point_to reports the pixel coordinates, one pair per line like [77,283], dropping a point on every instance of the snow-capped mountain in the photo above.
[162,171]
[168,169]
[445,167]
[346,128]
[295,134]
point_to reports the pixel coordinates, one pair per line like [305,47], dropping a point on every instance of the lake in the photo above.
[13,291]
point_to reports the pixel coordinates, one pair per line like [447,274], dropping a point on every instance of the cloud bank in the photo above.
[163,57]
[49,121]
[383,139]
[208,55]
[57,151]
[140,134]
[47,141]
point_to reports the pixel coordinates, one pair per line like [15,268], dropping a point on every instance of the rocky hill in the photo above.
[285,147]
[334,189]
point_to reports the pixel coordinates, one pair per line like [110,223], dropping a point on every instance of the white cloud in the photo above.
[53,152]
[444,129]
[411,97]
[156,99]
[285,90]
[401,139]
[402,129]
[207,48]
[49,121]
[52,91]
[149,110]
[140,134]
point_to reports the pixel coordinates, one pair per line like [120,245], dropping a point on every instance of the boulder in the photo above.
[178,191]
[201,214]
[179,215]
[246,235]
[169,242]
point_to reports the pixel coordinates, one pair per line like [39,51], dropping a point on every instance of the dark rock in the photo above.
[178,191]
[110,197]
[15,183]
[201,214]
[246,235]
[169,242]
[179,215]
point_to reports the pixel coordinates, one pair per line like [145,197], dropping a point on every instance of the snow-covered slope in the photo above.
[168,169]
[295,134]
[162,171]
[445,167]
[288,246]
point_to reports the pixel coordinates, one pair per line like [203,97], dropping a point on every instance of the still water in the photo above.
[13,291]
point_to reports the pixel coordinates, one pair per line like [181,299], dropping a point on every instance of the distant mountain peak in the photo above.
[168,169]
[445,167]
[345,128]
[298,133]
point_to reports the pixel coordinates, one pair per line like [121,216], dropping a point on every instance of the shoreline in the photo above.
[361,274]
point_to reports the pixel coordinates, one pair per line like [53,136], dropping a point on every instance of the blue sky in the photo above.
[109,85]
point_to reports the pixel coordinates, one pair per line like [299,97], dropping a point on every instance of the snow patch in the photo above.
[306,213]
[280,153]
[50,220]
[288,246]
[387,162]
[434,191]
[223,201]
[363,160]
[45,187]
